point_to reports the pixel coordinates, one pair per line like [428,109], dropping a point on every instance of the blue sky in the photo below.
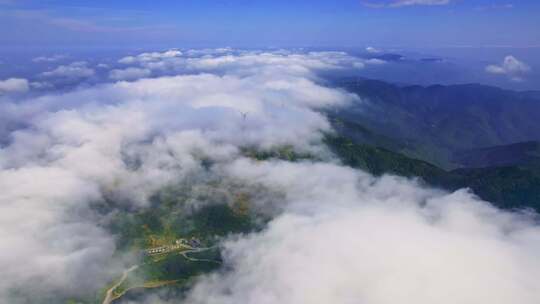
[406,23]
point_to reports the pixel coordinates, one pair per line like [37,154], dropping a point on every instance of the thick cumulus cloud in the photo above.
[150,57]
[63,152]
[46,245]
[338,235]
[346,237]
[13,85]
[514,69]
[78,69]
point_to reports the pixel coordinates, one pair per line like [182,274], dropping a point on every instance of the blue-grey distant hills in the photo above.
[480,137]
[436,122]
[523,154]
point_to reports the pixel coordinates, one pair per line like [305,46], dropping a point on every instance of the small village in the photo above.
[179,244]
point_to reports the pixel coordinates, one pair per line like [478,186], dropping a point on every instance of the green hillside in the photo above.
[507,187]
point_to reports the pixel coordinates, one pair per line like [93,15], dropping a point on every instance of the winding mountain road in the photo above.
[109,294]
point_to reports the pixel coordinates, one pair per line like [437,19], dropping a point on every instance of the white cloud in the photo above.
[40,226]
[244,62]
[53,58]
[72,146]
[511,67]
[206,52]
[371,49]
[129,74]
[14,85]
[404,3]
[375,61]
[495,7]
[346,237]
[300,62]
[40,85]
[148,57]
[77,69]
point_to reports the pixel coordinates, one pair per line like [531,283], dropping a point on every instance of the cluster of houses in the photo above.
[180,243]
[158,250]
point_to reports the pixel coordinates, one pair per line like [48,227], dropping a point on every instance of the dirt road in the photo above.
[109,294]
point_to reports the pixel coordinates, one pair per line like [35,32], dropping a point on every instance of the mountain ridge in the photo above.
[444,119]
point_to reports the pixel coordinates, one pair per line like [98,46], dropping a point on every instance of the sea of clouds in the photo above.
[338,236]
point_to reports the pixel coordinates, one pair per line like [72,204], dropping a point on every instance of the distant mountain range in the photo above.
[436,122]
[525,153]
[479,137]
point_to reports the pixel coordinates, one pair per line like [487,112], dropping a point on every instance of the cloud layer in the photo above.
[346,237]
[339,235]
[65,151]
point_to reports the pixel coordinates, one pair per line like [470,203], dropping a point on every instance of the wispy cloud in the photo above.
[52,58]
[403,3]
[495,7]
[89,24]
